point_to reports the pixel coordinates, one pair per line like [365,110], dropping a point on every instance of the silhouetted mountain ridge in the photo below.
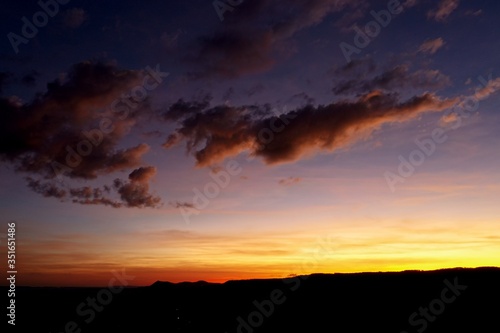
[445,300]
[201,282]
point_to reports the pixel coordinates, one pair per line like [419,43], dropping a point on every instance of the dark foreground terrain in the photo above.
[455,300]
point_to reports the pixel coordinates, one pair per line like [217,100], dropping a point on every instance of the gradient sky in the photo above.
[335,151]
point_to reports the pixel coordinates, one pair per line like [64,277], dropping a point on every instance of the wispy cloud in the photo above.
[289,181]
[394,79]
[133,193]
[431,46]
[444,10]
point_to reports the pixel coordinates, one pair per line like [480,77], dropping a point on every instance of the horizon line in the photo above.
[263,279]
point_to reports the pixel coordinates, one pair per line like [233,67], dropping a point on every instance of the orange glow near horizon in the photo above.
[218,258]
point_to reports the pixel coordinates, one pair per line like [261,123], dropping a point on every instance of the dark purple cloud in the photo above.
[133,193]
[48,190]
[30,78]
[248,41]
[216,133]
[65,129]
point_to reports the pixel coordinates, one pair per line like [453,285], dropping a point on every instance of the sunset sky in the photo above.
[197,140]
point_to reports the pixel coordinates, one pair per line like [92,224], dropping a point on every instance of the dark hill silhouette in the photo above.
[457,300]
